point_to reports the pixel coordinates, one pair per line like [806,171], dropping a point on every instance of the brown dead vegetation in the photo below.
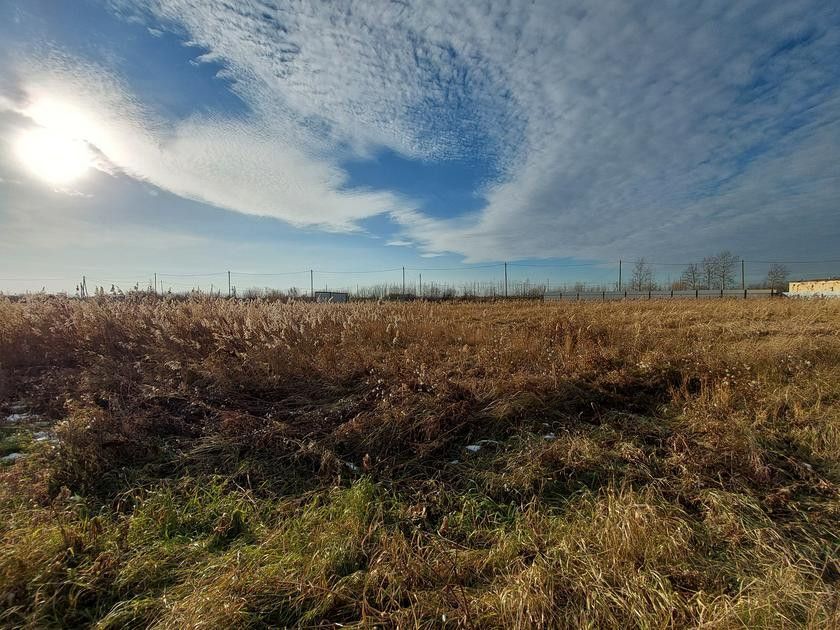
[258,464]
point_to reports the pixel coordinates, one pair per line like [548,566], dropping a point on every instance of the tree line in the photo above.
[713,272]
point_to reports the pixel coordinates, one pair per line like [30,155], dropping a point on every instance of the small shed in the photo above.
[825,287]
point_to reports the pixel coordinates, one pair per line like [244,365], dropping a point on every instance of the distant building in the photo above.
[324,297]
[827,287]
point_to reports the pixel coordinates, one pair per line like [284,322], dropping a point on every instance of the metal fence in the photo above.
[331,296]
[697,294]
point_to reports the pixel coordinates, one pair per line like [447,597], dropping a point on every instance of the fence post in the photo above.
[312,284]
[228,283]
[506,287]
[619,276]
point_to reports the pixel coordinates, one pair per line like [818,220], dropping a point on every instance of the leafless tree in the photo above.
[726,262]
[692,277]
[777,277]
[642,276]
[709,271]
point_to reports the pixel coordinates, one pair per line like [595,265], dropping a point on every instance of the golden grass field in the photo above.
[223,464]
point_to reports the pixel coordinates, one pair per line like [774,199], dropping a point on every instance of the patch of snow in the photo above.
[352,466]
[41,436]
[549,436]
[455,461]
[12,457]
[474,448]
[14,418]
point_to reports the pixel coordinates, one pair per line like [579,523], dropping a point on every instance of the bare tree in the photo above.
[709,270]
[642,276]
[777,277]
[692,277]
[726,262]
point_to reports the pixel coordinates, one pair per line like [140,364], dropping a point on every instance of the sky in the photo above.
[191,137]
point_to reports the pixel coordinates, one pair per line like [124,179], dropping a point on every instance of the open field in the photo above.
[230,464]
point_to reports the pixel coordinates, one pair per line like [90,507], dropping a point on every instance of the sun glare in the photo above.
[53,155]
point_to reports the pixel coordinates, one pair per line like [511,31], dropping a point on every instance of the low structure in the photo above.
[331,297]
[826,287]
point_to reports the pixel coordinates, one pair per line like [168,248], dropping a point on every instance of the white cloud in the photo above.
[249,166]
[632,127]
[399,243]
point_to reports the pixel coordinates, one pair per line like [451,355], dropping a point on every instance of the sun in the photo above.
[53,155]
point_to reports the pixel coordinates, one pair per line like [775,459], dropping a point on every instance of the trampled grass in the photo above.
[255,464]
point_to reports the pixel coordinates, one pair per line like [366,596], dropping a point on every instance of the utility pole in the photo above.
[155,283]
[312,283]
[403,291]
[228,283]
[743,283]
[506,290]
[619,274]
[421,285]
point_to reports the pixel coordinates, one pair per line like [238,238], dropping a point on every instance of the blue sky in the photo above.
[274,137]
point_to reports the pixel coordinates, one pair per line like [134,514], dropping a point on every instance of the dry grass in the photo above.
[233,464]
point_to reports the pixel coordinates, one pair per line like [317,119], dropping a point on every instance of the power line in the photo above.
[565,265]
[192,275]
[120,280]
[794,262]
[280,273]
[461,268]
[394,269]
